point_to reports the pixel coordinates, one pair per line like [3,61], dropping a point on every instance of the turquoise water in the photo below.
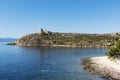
[25,63]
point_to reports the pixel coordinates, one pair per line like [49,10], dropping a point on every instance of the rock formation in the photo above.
[103,66]
[48,38]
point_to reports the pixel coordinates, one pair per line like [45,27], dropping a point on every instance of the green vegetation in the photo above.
[48,38]
[69,39]
[114,51]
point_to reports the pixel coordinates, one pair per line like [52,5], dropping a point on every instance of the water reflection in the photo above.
[45,63]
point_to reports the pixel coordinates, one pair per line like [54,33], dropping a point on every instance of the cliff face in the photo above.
[34,40]
[47,38]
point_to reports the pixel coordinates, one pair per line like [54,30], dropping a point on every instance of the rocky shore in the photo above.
[109,68]
[56,39]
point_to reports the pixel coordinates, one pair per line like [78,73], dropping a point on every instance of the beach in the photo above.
[109,68]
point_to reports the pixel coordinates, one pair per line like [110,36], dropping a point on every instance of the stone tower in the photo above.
[41,32]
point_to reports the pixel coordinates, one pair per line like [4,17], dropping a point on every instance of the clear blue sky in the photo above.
[20,17]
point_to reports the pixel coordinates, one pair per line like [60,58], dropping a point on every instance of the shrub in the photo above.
[114,51]
[118,44]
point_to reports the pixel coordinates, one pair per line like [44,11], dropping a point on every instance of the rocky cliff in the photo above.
[47,38]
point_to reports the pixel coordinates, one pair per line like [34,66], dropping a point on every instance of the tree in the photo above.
[114,51]
[118,44]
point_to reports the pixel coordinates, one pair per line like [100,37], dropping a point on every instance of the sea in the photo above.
[46,63]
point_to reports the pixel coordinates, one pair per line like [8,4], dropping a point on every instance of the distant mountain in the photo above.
[8,39]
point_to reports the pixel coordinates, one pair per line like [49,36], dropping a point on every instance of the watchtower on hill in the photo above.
[41,32]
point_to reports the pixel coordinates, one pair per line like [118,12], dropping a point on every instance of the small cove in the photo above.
[28,63]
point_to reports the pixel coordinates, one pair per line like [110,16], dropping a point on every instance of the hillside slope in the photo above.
[47,38]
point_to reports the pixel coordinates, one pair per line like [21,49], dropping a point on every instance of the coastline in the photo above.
[74,46]
[104,66]
[56,45]
[74,40]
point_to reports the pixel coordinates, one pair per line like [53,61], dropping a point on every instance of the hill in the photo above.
[48,38]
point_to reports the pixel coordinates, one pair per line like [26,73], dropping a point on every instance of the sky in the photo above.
[21,17]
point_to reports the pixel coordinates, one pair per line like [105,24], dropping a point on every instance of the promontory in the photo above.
[56,39]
